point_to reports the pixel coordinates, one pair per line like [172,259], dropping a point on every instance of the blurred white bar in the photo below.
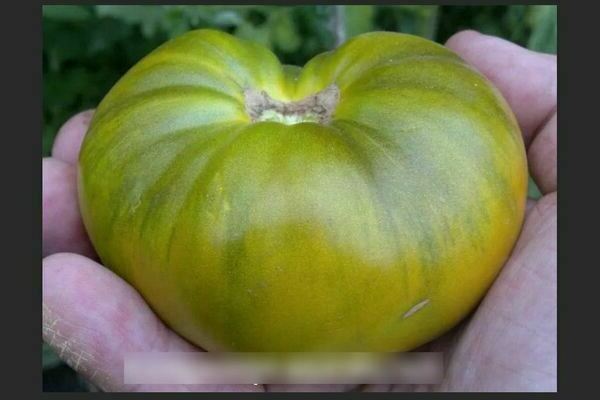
[283,368]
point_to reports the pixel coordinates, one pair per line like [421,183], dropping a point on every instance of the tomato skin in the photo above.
[377,231]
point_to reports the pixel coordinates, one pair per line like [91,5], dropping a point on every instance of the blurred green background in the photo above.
[87,48]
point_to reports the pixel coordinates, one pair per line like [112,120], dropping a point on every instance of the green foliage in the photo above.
[531,26]
[66,13]
[417,20]
[49,358]
[542,19]
[359,19]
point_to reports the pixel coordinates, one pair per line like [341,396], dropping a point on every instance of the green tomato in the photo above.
[364,202]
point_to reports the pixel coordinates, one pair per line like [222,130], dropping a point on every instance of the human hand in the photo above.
[91,317]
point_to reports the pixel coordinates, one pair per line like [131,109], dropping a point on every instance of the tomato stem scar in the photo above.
[317,108]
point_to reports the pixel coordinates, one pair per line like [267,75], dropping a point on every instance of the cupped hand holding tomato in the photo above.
[509,343]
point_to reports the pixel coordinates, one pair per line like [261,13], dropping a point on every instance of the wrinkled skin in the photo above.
[509,343]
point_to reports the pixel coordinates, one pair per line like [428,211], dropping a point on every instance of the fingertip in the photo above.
[69,275]
[459,39]
[484,52]
[472,41]
[70,136]
[67,260]
[64,272]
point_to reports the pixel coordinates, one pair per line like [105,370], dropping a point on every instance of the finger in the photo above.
[92,318]
[528,82]
[62,227]
[69,137]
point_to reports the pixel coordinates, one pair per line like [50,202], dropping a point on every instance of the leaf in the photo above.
[66,13]
[105,34]
[258,34]
[544,29]
[49,358]
[47,139]
[417,20]
[533,192]
[66,46]
[227,18]
[149,18]
[358,19]
[514,21]
[430,21]
[283,31]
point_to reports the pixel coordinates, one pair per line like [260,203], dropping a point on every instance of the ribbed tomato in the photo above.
[364,202]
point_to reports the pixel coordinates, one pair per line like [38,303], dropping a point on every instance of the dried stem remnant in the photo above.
[315,108]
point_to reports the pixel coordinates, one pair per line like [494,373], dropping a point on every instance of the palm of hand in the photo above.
[509,343]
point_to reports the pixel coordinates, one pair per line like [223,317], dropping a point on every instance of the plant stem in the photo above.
[338,23]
